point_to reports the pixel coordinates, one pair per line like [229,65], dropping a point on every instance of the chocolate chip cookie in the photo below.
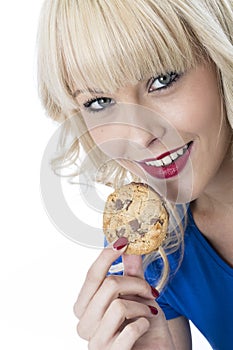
[137,212]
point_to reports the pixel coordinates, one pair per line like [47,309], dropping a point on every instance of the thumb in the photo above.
[133,265]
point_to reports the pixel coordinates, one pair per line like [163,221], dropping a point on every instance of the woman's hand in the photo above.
[119,312]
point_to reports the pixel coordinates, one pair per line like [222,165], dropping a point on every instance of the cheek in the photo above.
[108,140]
[98,134]
[197,112]
[196,104]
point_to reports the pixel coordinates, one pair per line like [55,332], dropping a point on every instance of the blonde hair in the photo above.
[104,44]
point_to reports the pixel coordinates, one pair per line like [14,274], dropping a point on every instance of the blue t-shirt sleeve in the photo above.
[169,312]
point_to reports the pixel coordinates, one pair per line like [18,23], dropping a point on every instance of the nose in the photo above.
[130,132]
[140,125]
[138,135]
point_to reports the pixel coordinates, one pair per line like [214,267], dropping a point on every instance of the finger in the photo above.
[130,334]
[133,265]
[96,275]
[112,288]
[117,316]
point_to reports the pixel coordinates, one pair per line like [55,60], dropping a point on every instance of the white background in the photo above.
[41,271]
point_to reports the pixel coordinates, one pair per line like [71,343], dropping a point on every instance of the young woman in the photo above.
[148,85]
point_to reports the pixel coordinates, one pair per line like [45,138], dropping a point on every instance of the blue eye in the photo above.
[163,81]
[98,104]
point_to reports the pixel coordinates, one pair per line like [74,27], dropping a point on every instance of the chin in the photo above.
[177,191]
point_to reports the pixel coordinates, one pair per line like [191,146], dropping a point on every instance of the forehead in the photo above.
[108,44]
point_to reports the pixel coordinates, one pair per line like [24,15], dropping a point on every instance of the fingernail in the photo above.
[153,310]
[121,243]
[154,292]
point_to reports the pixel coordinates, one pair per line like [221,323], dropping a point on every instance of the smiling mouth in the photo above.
[168,164]
[167,158]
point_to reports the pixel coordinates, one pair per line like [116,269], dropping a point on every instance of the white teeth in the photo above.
[180,152]
[158,163]
[168,159]
[155,163]
[174,155]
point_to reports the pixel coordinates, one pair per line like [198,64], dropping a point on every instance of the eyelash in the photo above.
[89,102]
[173,78]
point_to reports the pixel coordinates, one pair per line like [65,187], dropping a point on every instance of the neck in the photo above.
[218,195]
[213,211]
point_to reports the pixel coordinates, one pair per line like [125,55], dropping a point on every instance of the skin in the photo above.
[189,110]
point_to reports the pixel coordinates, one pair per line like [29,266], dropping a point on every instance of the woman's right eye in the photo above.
[98,104]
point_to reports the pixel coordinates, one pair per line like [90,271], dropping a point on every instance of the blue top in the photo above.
[201,290]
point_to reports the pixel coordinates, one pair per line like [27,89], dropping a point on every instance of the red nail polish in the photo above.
[153,310]
[154,292]
[121,243]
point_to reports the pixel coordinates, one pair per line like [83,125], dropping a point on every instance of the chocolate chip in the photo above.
[134,224]
[153,221]
[142,232]
[119,204]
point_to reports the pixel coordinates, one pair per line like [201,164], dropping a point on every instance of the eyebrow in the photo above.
[92,91]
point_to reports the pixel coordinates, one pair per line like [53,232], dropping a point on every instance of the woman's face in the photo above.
[170,130]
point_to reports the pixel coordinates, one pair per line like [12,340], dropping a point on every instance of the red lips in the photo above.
[167,171]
